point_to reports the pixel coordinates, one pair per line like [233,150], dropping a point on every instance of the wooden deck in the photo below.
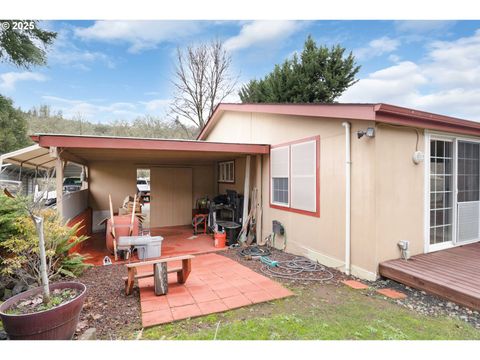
[453,274]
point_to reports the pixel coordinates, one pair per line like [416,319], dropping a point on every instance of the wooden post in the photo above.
[130,281]
[59,182]
[182,276]
[246,191]
[258,184]
[112,224]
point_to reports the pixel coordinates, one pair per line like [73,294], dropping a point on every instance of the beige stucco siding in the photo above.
[320,238]
[399,191]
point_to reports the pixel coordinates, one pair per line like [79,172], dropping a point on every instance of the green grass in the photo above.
[345,315]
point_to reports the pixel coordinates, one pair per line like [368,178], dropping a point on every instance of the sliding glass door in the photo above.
[441,193]
[454,180]
[468,191]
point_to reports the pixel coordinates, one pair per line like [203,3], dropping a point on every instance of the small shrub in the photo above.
[19,252]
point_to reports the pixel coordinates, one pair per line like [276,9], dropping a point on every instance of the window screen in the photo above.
[280,159]
[304,176]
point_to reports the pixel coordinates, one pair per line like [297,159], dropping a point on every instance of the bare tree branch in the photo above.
[201,81]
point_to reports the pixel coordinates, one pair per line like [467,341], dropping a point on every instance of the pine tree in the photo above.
[318,75]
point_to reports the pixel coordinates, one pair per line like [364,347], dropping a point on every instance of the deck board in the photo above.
[453,274]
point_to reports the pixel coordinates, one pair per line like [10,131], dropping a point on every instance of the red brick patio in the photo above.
[215,284]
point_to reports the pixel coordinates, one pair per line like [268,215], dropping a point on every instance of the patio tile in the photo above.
[157,303]
[204,295]
[187,311]
[207,291]
[227,291]
[240,283]
[258,296]
[392,294]
[180,299]
[236,301]
[157,317]
[210,307]
[175,289]
[355,284]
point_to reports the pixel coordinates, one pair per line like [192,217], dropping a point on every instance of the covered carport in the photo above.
[181,171]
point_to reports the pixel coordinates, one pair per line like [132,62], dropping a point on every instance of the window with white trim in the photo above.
[226,171]
[294,176]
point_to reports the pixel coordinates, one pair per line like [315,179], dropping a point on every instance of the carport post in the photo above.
[59,181]
[258,184]
[246,192]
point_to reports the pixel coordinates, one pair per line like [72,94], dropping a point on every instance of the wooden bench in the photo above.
[182,272]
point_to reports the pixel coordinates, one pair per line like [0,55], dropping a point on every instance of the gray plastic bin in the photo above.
[154,247]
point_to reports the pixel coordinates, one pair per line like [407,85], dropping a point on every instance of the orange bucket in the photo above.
[220,239]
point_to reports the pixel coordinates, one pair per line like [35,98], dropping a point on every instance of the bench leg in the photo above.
[160,278]
[182,275]
[130,281]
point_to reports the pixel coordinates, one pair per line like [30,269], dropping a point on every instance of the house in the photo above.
[352,184]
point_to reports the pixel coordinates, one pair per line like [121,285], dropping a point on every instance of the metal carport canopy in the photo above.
[31,157]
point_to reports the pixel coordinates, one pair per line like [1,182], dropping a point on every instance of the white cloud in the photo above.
[262,32]
[140,35]
[9,80]
[377,47]
[422,26]
[91,110]
[156,105]
[447,81]
[65,52]
[100,110]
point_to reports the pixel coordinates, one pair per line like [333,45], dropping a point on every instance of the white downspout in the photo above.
[348,165]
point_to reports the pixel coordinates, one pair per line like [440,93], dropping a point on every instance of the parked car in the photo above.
[71,184]
[143,189]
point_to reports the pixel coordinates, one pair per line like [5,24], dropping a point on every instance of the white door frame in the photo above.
[430,135]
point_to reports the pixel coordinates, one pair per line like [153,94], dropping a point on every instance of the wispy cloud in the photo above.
[377,47]
[139,35]
[446,81]
[65,52]
[10,79]
[262,32]
[93,110]
[154,106]
[423,26]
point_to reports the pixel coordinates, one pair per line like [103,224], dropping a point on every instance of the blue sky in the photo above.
[107,70]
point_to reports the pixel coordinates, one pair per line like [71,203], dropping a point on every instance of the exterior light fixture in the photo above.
[370,132]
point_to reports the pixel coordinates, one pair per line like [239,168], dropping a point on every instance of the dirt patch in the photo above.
[107,308]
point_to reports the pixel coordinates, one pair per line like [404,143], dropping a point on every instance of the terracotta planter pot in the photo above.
[58,323]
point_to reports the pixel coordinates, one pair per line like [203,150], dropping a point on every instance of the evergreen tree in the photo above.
[14,127]
[319,75]
[24,47]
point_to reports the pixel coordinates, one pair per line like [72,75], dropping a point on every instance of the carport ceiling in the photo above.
[151,156]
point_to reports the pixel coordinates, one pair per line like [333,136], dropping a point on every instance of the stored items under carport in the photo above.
[148,247]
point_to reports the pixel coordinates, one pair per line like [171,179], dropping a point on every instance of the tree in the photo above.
[202,80]
[319,75]
[14,127]
[24,46]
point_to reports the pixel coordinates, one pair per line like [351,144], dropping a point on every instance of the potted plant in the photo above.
[31,255]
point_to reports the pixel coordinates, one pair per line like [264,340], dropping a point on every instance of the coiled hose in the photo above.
[290,269]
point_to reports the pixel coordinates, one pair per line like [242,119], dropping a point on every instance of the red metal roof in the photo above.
[371,112]
[108,142]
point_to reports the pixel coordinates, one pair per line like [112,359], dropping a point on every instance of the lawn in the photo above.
[323,312]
